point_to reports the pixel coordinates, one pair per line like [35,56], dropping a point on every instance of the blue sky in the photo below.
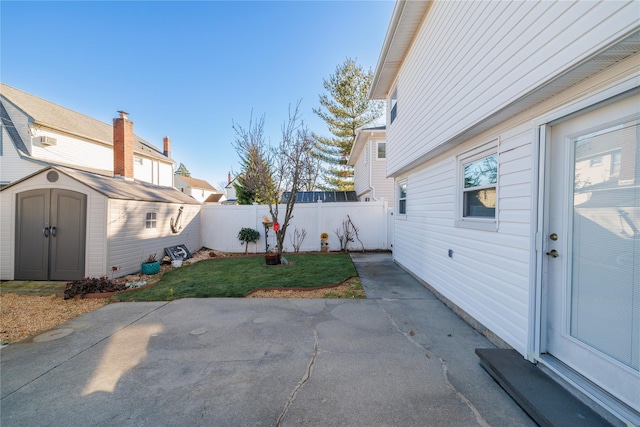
[188,69]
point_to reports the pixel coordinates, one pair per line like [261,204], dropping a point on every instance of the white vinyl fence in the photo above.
[220,225]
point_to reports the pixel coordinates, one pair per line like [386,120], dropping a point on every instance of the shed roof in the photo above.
[56,117]
[117,188]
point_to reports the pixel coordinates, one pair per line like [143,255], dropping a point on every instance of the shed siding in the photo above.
[130,243]
[488,276]
[472,59]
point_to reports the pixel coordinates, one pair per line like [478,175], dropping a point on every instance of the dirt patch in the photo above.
[22,316]
[349,289]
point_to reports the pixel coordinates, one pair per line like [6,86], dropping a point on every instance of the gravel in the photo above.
[22,316]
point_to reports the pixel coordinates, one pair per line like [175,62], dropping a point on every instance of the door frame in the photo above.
[540,211]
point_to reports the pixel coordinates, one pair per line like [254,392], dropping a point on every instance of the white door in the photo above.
[592,246]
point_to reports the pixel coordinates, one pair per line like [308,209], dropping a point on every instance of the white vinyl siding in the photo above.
[72,151]
[361,176]
[130,243]
[469,60]
[489,274]
[12,166]
[383,186]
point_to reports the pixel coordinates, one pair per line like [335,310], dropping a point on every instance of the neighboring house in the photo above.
[199,189]
[369,161]
[61,223]
[37,133]
[230,191]
[216,199]
[512,136]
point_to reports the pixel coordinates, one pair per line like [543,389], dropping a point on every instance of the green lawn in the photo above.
[234,277]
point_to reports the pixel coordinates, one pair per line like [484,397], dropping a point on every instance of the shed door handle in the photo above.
[45,231]
[53,232]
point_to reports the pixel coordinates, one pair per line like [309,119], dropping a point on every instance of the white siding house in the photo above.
[368,158]
[512,137]
[199,189]
[37,133]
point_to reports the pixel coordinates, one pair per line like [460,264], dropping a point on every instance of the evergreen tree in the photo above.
[256,170]
[182,170]
[345,108]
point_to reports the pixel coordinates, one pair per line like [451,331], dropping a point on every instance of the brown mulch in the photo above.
[22,316]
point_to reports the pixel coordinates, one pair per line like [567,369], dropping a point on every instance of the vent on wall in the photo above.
[47,140]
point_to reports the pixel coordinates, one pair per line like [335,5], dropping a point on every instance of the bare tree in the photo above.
[283,167]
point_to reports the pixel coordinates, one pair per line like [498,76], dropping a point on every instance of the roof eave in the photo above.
[405,22]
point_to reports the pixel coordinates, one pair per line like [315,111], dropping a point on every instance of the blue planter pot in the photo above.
[150,267]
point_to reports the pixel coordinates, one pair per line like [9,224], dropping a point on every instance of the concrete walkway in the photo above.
[398,358]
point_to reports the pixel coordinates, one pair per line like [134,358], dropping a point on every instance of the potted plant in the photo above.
[248,235]
[151,265]
[272,259]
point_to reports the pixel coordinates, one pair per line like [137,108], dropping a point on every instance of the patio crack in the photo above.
[305,378]
[409,336]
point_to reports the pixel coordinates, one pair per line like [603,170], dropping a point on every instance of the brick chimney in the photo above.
[123,147]
[167,146]
[229,177]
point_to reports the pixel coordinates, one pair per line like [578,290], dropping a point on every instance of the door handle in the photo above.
[53,232]
[45,232]
[553,253]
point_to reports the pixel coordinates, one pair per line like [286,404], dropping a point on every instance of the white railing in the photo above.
[220,225]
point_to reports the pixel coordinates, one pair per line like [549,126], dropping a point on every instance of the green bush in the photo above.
[248,235]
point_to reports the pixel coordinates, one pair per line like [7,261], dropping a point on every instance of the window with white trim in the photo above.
[478,188]
[393,106]
[382,150]
[402,197]
[151,220]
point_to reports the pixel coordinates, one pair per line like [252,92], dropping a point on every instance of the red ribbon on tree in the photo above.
[276,226]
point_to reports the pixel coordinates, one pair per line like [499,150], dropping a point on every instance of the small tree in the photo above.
[248,235]
[283,167]
[183,171]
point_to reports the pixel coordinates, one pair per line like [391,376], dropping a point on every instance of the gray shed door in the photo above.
[50,235]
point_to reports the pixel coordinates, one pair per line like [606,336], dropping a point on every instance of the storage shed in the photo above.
[66,224]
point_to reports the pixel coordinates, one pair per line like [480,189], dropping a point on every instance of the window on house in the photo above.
[402,198]
[151,221]
[479,184]
[137,160]
[394,105]
[382,150]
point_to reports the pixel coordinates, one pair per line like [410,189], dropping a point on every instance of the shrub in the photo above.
[247,235]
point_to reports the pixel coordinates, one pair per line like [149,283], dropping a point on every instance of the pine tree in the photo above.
[182,170]
[345,109]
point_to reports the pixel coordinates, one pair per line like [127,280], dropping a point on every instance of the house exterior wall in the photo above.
[12,166]
[383,186]
[152,171]
[490,274]
[460,71]
[95,251]
[130,242]
[361,176]
[70,150]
